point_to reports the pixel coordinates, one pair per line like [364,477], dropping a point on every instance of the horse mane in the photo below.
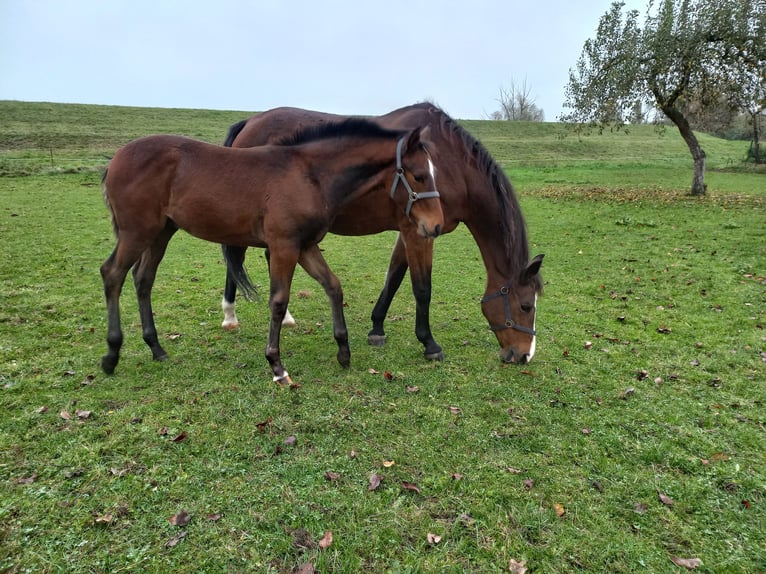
[351,127]
[508,208]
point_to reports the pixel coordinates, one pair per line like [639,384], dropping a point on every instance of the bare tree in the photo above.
[517,104]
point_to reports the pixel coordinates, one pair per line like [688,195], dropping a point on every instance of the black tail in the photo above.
[236,270]
[234,132]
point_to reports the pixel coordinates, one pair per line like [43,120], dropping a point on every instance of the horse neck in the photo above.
[500,233]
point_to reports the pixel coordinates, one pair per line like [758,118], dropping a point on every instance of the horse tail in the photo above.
[115,227]
[234,132]
[235,268]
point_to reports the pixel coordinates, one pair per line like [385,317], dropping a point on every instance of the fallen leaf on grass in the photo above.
[517,567]
[326,540]
[627,393]
[307,568]
[560,510]
[410,486]
[214,517]
[180,519]
[433,539]
[290,441]
[640,508]
[82,415]
[103,519]
[388,463]
[261,426]
[176,539]
[689,563]
[331,476]
[414,389]
[529,483]
[181,437]
[665,499]
[27,479]
[41,410]
[375,480]
[455,410]
[66,415]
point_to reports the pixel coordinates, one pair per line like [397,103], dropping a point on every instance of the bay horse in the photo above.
[283,197]
[474,190]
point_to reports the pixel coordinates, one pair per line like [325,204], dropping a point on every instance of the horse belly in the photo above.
[219,223]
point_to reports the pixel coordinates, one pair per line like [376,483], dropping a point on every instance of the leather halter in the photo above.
[412,194]
[509,322]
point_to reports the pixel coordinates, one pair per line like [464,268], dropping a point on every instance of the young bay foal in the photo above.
[283,197]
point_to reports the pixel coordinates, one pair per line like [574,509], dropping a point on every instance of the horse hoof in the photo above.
[376,340]
[344,360]
[162,357]
[438,356]
[230,326]
[108,364]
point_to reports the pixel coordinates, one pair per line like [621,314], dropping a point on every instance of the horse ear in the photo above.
[534,267]
[414,138]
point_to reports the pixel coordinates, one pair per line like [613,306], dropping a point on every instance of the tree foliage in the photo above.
[699,51]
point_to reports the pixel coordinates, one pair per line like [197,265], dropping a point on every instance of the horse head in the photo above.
[510,311]
[416,175]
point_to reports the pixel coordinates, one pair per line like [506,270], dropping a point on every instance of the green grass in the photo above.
[669,291]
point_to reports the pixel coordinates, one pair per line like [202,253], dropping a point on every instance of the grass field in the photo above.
[635,438]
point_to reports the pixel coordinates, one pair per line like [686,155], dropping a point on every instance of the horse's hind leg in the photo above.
[113,273]
[144,274]
[230,321]
[314,263]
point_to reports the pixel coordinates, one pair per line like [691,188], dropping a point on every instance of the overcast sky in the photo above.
[352,57]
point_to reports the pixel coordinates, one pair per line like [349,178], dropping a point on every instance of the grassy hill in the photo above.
[45,137]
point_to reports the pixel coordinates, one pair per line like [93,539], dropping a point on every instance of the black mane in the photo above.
[508,208]
[351,127]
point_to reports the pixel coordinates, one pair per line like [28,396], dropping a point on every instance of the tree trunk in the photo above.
[698,154]
[757,137]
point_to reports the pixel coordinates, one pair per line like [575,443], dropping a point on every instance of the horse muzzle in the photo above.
[511,355]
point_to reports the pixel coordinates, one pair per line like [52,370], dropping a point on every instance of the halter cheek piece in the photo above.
[413,195]
[509,322]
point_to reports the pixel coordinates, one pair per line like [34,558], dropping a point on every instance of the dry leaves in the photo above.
[433,539]
[375,480]
[326,540]
[665,499]
[517,567]
[181,519]
[688,563]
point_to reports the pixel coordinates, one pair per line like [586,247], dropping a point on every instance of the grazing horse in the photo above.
[283,197]
[474,189]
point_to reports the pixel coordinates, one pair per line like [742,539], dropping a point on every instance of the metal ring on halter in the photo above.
[509,322]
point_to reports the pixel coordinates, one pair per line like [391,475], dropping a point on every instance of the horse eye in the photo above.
[420,178]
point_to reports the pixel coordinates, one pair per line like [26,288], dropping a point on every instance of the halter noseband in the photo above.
[412,194]
[509,322]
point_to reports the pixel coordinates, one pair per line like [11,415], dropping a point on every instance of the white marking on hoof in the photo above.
[288,321]
[230,322]
[284,379]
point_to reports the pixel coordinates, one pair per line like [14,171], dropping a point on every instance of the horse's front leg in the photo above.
[281,272]
[397,268]
[314,263]
[420,252]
